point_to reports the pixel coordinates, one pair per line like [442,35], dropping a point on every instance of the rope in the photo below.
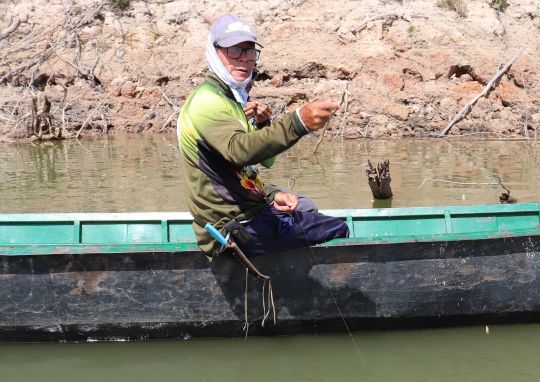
[332,294]
[246,322]
[271,293]
[270,297]
[263,304]
[249,267]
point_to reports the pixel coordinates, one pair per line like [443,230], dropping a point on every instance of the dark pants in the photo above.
[275,231]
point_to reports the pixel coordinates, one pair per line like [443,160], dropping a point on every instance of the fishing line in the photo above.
[331,293]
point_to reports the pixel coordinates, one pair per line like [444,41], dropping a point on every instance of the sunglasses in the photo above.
[236,52]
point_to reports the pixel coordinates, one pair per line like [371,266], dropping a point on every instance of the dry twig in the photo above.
[12,28]
[388,19]
[487,89]
[344,96]
[97,107]
[174,106]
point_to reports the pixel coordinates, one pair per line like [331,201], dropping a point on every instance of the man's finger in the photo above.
[329,106]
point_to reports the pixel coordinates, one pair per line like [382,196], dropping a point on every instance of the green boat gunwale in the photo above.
[171,231]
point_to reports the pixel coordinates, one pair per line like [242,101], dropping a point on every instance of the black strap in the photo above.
[238,231]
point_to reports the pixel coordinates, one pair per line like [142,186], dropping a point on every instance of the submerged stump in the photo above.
[505,197]
[379,179]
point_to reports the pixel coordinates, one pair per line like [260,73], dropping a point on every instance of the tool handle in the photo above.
[214,232]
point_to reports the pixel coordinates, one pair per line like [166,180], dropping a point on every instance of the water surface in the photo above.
[508,353]
[143,173]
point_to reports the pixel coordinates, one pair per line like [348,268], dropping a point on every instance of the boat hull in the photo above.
[172,295]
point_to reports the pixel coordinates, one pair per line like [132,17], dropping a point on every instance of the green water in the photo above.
[508,353]
[143,173]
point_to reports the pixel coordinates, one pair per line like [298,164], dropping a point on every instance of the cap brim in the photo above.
[233,40]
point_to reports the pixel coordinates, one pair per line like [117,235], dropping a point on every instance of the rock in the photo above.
[481,108]
[412,121]
[277,80]
[361,114]
[128,89]
[296,97]
[448,104]
[467,91]
[115,85]
[508,115]
[390,127]
[346,37]
[448,108]
[398,111]
[379,120]
[177,18]
[509,93]
[392,82]
[373,103]
[284,31]
[376,28]
[496,106]
[310,70]
[428,112]
[414,74]
[341,74]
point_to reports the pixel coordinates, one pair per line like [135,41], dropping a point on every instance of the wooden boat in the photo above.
[132,276]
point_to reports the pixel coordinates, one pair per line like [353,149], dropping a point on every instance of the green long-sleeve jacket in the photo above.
[219,149]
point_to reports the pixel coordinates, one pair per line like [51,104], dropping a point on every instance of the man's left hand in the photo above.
[285,201]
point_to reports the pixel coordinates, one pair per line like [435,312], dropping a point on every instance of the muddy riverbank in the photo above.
[408,67]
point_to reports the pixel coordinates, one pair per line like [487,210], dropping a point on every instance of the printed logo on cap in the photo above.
[237,27]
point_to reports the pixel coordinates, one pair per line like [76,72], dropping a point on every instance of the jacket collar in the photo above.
[212,78]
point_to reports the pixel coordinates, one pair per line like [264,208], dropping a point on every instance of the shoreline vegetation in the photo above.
[417,68]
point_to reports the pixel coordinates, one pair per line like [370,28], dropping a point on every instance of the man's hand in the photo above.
[285,201]
[259,111]
[316,114]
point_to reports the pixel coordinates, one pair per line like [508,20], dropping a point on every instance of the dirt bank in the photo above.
[408,67]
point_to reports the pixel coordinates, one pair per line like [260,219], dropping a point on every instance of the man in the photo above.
[259,114]
[221,150]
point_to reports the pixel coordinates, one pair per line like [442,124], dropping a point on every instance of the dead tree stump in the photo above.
[27,115]
[41,117]
[505,197]
[379,179]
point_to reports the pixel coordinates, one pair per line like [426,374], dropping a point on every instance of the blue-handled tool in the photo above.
[216,234]
[249,267]
[237,251]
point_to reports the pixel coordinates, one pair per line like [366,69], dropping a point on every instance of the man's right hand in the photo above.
[316,114]
[260,111]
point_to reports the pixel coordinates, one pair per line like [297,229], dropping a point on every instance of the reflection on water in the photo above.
[508,353]
[144,173]
[424,172]
[126,173]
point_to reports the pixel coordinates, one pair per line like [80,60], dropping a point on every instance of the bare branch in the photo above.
[487,89]
[175,107]
[12,28]
[389,19]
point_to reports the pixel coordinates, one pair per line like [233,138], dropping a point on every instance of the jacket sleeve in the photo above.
[226,134]
[270,161]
